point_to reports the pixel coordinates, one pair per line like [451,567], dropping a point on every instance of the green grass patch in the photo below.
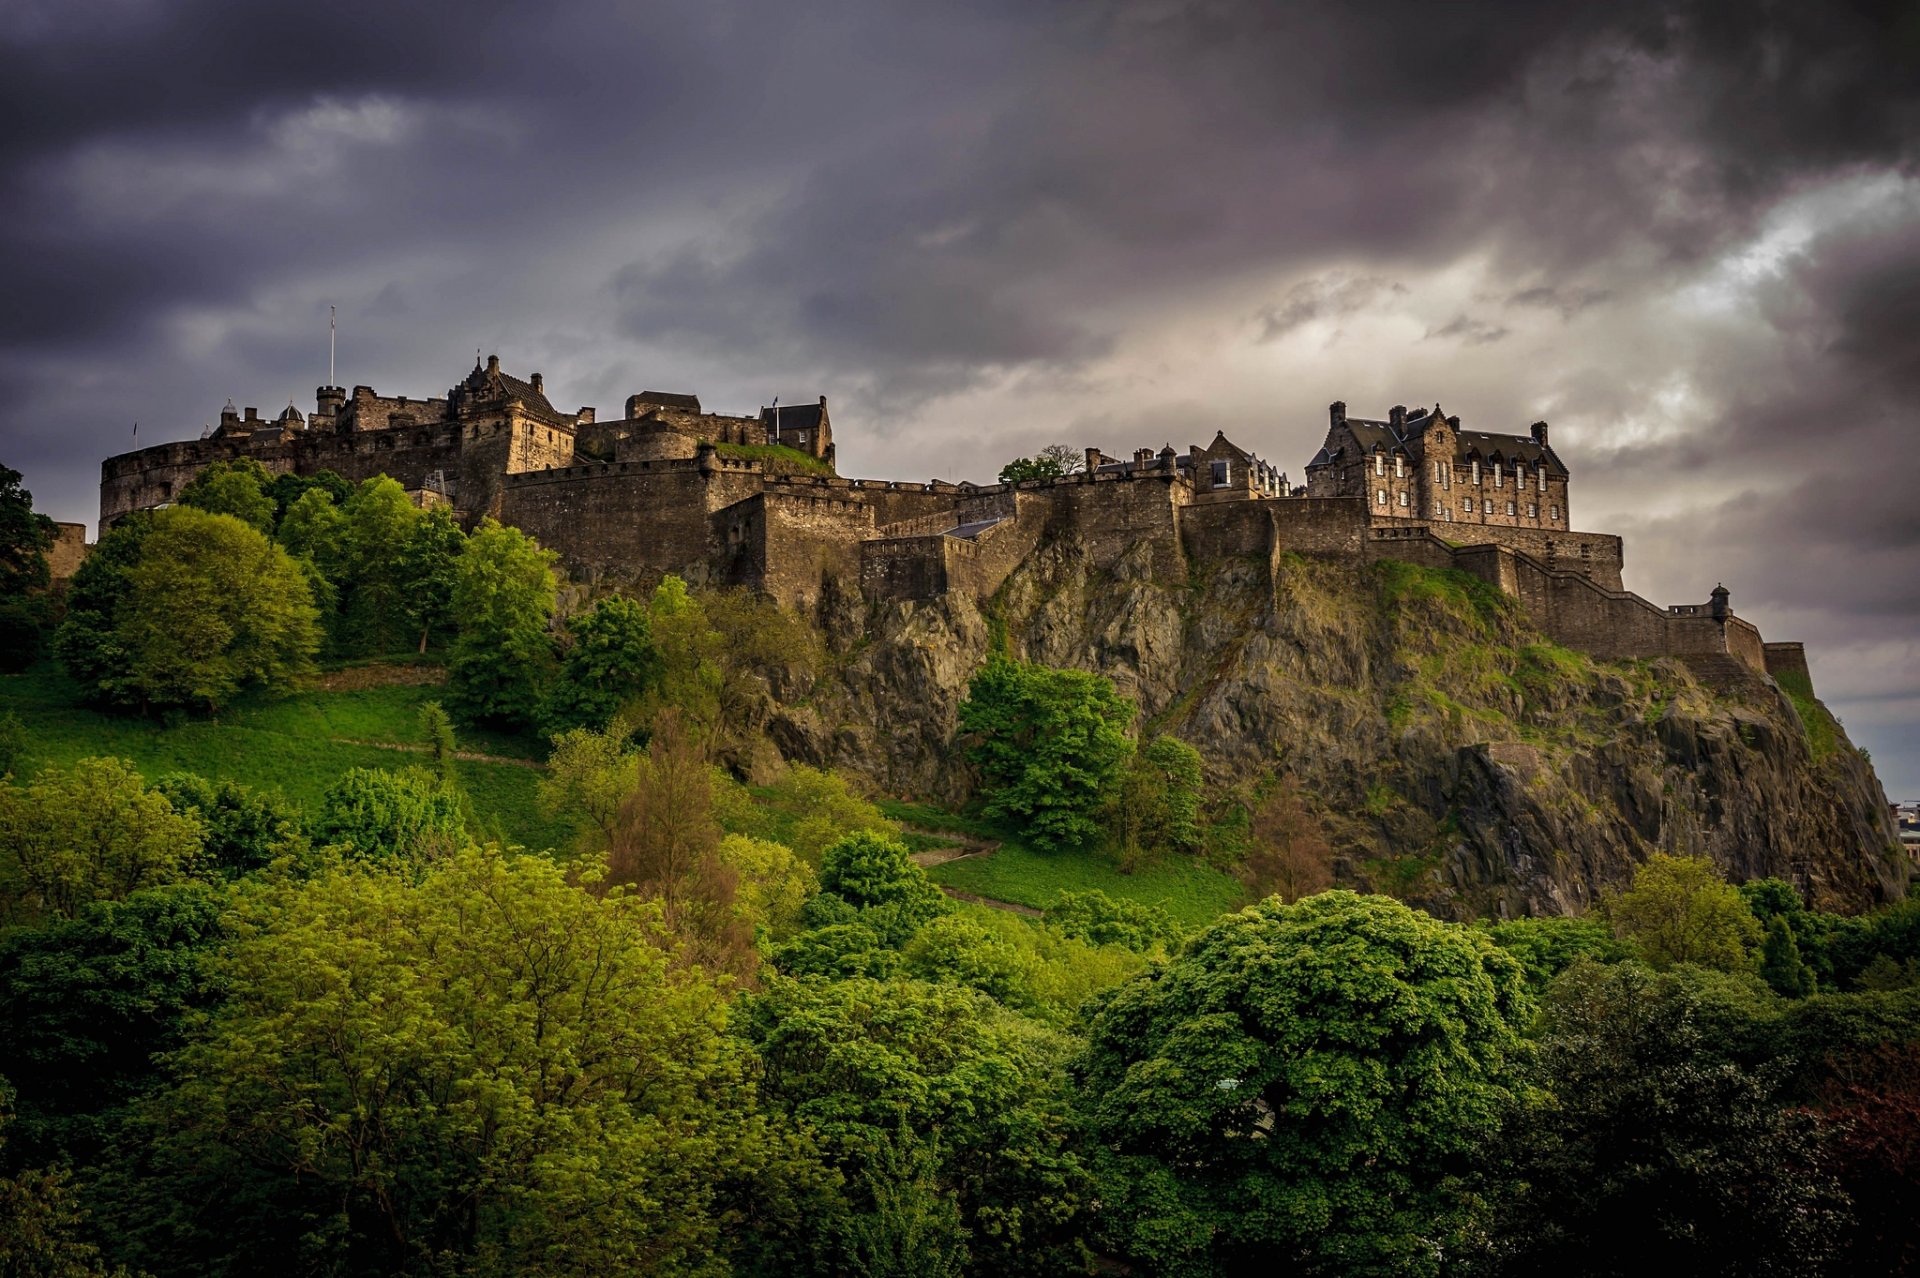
[1823,733]
[298,745]
[1461,594]
[1380,797]
[777,458]
[1189,891]
[928,817]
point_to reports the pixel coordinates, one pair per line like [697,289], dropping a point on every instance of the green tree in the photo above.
[868,870]
[1051,462]
[42,1221]
[91,832]
[866,1064]
[1639,1153]
[1096,918]
[88,1001]
[503,596]
[589,776]
[314,529]
[13,743]
[185,609]
[245,830]
[88,642]
[239,487]
[806,808]
[25,538]
[288,488]
[382,817]
[1048,745]
[1154,806]
[486,1072]
[610,662]
[1680,910]
[1303,1085]
[380,524]
[1781,966]
[429,566]
[1547,946]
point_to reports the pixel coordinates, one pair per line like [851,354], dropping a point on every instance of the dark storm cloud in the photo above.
[908,204]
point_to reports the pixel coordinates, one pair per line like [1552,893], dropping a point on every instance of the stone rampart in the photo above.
[69,550]
[1788,659]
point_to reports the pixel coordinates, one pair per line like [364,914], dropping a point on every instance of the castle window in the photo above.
[1498,475]
[1542,473]
[1380,497]
[1476,479]
[1399,468]
[1379,463]
[1222,474]
[1466,504]
[1403,498]
[1509,508]
[1533,511]
[1553,513]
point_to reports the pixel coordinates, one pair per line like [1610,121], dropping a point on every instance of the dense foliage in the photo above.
[25,537]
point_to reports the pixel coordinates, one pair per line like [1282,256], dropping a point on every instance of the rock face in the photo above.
[1456,758]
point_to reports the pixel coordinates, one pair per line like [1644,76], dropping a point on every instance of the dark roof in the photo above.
[1369,435]
[795,416]
[669,399]
[1510,448]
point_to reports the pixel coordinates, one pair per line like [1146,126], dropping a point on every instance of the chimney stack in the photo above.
[1540,434]
[1337,413]
[1397,417]
[538,383]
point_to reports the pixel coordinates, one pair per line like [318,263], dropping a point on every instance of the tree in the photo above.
[1096,918]
[88,642]
[25,538]
[1048,745]
[488,1072]
[503,596]
[1781,966]
[314,529]
[239,487]
[1872,1112]
[867,1064]
[1302,1085]
[589,776]
[1155,805]
[1289,854]
[244,829]
[91,832]
[186,609]
[1050,462]
[1641,1154]
[384,818]
[1681,911]
[1548,945]
[868,870]
[806,808]
[610,663]
[288,488]
[41,1221]
[773,883]
[380,523]
[429,567]
[88,1001]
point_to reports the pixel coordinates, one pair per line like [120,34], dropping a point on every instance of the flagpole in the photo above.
[330,346]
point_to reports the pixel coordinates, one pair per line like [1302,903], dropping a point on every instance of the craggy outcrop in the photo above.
[1457,759]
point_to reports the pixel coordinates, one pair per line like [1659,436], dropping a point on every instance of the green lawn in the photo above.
[297,745]
[1190,892]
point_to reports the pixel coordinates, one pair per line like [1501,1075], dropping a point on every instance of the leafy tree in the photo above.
[1155,804]
[13,743]
[806,808]
[1303,1085]
[1051,462]
[1642,1154]
[429,567]
[186,610]
[1872,1113]
[503,596]
[288,488]
[951,950]
[1096,918]
[315,530]
[42,1221]
[240,487]
[88,642]
[1781,966]
[244,829]
[25,538]
[380,523]
[868,870]
[488,1072]
[610,663]
[773,883]
[89,1000]
[589,775]
[1547,946]
[382,817]
[865,1062]
[1681,911]
[1048,745]
[91,832]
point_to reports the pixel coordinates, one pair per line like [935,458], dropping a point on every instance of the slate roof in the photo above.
[669,399]
[794,416]
[1369,435]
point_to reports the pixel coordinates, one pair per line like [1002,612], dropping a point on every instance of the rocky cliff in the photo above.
[1457,759]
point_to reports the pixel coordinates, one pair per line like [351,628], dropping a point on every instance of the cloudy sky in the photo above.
[1687,234]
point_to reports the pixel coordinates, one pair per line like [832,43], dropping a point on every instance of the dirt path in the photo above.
[1011,907]
[468,756]
[353,678]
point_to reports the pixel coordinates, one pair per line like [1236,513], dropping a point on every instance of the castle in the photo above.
[756,501]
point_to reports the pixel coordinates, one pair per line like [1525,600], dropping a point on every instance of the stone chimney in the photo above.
[493,363]
[538,383]
[1540,434]
[1337,413]
[1094,459]
[1397,417]
[584,416]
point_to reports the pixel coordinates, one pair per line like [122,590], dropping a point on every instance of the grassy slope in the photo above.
[297,745]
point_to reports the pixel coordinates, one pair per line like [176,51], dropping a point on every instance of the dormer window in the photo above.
[1476,477]
[1499,475]
[1379,463]
[1399,467]
[1542,474]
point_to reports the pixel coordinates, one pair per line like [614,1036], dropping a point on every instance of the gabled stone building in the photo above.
[1424,465]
